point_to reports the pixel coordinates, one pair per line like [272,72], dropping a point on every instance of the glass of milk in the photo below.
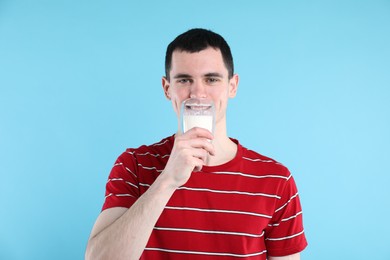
[197,112]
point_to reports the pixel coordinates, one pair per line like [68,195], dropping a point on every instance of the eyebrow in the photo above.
[211,74]
[214,75]
[182,75]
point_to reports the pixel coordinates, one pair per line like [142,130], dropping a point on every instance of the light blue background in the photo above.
[81,80]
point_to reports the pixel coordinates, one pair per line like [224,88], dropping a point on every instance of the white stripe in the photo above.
[119,195]
[127,169]
[285,219]
[230,192]
[271,160]
[257,160]
[254,176]
[144,184]
[124,195]
[150,168]
[204,253]
[108,195]
[120,164]
[209,231]
[285,238]
[220,211]
[135,186]
[161,143]
[296,215]
[120,179]
[154,155]
[115,179]
[296,194]
[147,153]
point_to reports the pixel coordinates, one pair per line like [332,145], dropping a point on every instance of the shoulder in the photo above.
[263,164]
[158,150]
[164,145]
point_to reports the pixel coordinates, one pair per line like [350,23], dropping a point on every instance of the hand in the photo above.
[190,152]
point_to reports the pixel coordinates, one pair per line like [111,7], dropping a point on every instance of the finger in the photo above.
[198,165]
[200,154]
[197,168]
[203,144]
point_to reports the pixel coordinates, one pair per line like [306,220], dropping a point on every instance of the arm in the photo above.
[288,257]
[121,233]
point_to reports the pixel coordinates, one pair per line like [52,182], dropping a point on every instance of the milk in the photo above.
[204,121]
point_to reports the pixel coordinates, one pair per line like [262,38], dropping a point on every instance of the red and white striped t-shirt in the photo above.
[246,208]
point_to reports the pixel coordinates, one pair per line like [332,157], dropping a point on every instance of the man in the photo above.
[240,204]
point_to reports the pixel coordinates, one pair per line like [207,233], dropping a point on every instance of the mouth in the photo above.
[198,107]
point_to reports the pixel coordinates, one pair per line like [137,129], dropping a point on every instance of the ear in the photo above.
[233,85]
[165,86]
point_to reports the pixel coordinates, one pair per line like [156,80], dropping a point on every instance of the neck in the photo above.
[225,149]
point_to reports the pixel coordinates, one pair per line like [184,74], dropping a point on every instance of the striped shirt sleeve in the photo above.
[122,185]
[285,234]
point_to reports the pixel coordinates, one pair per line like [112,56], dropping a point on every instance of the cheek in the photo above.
[176,103]
[180,92]
[179,95]
[220,95]
[221,100]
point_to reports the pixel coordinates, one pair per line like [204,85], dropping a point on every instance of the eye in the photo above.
[212,80]
[183,81]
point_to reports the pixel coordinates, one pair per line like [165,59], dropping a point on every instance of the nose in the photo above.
[198,90]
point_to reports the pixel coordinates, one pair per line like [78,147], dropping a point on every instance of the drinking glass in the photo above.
[197,112]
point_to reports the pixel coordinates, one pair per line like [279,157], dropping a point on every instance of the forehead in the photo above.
[205,61]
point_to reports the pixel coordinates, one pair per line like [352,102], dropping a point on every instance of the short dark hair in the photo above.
[196,40]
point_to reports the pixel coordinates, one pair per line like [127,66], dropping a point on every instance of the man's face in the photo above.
[200,75]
